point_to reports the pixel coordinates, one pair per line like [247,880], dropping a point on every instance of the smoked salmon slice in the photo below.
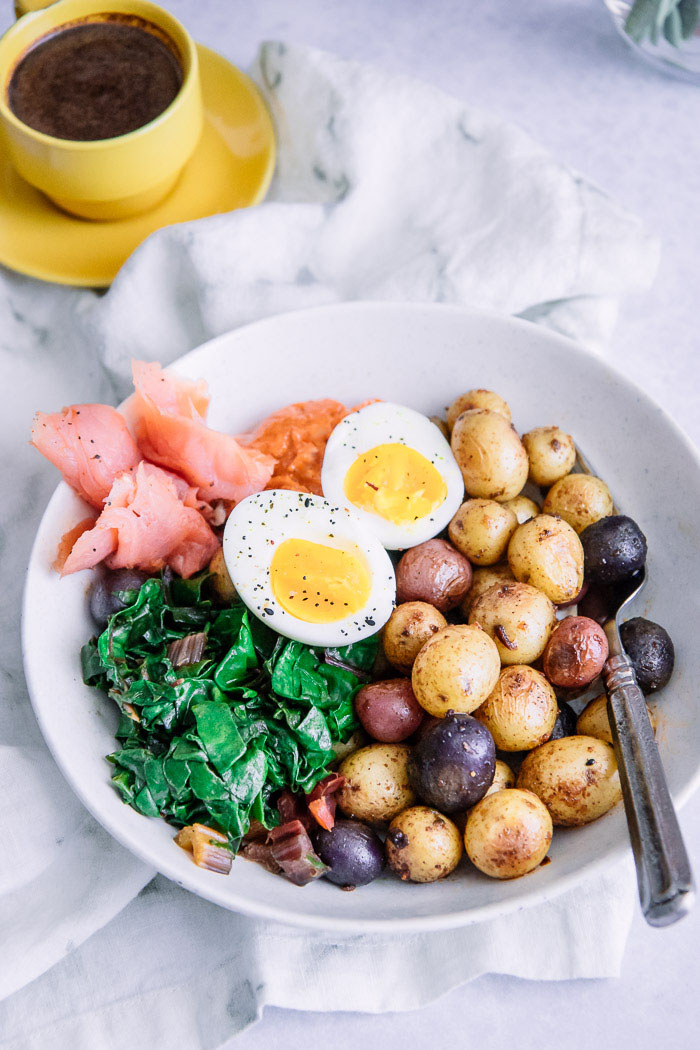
[146,524]
[169,420]
[90,444]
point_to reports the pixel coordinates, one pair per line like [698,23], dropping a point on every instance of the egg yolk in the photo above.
[396,482]
[319,584]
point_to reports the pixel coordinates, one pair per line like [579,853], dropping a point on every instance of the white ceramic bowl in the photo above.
[422,356]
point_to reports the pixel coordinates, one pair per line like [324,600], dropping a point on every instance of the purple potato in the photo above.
[651,651]
[103,596]
[453,764]
[353,852]
[565,724]
[613,549]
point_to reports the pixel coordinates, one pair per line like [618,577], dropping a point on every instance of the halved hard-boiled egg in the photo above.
[307,568]
[393,468]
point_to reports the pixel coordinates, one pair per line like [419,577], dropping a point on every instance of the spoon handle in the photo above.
[664,875]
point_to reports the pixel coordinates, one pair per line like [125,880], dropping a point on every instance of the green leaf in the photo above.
[215,741]
[91,663]
[360,656]
[240,658]
[219,734]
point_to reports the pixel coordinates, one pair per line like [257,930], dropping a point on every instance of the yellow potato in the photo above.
[481,530]
[508,833]
[547,553]
[490,455]
[523,507]
[483,580]
[504,777]
[576,778]
[551,452]
[341,749]
[441,425]
[455,670]
[377,785]
[521,711]
[422,845]
[580,499]
[477,399]
[220,580]
[594,721]
[518,617]
[408,629]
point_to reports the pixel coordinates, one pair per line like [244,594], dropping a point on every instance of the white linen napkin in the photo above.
[385,189]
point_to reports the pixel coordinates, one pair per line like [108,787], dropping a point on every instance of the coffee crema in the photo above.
[95,80]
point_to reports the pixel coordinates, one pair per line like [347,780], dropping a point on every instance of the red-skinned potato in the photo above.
[389,711]
[433,572]
[575,653]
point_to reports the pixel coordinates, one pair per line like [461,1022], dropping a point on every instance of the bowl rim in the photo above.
[319,921]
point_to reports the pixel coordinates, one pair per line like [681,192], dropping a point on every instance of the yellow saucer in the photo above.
[230,168]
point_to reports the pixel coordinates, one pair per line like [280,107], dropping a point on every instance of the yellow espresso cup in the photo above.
[103,178]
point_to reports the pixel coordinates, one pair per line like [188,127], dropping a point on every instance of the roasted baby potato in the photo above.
[551,453]
[576,778]
[481,530]
[580,499]
[453,764]
[442,426]
[220,581]
[388,710]
[504,777]
[482,581]
[518,617]
[422,845]
[343,748]
[508,833]
[477,399]
[377,785]
[521,711]
[490,455]
[523,507]
[575,653]
[408,629]
[547,553]
[456,670]
[594,721]
[433,572]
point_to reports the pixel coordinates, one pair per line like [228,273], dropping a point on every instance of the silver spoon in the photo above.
[664,875]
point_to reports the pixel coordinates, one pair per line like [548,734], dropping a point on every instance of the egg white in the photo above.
[386,423]
[259,524]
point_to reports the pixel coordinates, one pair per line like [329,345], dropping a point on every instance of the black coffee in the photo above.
[95,80]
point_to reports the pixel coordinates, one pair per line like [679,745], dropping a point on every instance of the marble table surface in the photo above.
[558,69]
